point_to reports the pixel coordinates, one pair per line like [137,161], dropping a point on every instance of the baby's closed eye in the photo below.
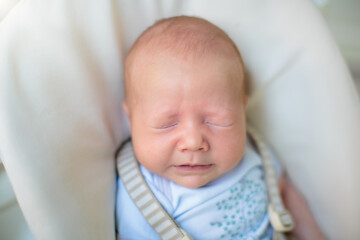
[219,122]
[164,124]
[167,125]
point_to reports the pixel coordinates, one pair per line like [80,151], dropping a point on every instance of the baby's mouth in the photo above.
[194,167]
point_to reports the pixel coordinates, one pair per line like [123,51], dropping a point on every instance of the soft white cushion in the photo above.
[12,223]
[61,118]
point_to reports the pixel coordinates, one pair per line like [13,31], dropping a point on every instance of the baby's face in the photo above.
[187,118]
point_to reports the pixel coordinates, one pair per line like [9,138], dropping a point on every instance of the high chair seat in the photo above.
[61,119]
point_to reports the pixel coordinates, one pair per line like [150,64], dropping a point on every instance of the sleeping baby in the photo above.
[185,99]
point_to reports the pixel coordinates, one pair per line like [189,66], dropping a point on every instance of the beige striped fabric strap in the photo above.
[280,218]
[144,199]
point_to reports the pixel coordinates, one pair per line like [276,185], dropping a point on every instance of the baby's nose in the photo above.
[193,140]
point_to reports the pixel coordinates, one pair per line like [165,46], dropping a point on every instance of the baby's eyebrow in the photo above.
[164,113]
[221,111]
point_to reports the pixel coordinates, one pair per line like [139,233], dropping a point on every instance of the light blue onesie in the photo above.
[231,207]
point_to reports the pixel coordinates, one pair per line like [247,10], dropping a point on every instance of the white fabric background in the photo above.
[61,118]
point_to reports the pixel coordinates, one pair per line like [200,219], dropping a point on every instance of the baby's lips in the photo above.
[194,167]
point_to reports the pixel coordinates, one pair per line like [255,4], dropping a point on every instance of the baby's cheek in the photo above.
[153,151]
[233,138]
[231,146]
[148,148]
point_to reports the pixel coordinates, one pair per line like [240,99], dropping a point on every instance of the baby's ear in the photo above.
[126,108]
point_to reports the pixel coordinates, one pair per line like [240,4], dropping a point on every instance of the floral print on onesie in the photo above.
[243,210]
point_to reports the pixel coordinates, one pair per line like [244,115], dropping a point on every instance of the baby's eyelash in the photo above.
[166,126]
[222,124]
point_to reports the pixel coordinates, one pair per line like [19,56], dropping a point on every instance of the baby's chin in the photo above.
[192,181]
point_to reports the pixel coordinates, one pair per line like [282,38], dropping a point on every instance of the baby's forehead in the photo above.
[183,39]
[186,37]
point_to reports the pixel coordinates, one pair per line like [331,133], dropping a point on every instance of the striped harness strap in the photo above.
[280,218]
[144,199]
[165,225]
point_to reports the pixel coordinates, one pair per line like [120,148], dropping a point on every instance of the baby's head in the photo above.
[185,98]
